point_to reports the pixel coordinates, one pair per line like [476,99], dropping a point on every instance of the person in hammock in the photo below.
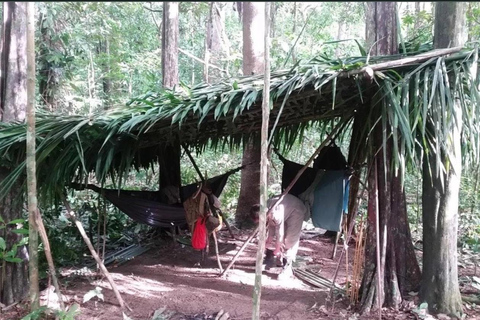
[284,222]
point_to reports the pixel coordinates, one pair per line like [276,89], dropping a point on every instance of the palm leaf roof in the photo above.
[227,113]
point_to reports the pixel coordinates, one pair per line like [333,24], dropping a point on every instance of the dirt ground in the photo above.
[168,278]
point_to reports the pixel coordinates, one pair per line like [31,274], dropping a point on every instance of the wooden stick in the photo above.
[193,162]
[214,233]
[254,233]
[345,248]
[379,266]
[48,254]
[71,216]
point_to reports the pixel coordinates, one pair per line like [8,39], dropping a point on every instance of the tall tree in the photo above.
[393,270]
[13,103]
[441,187]
[253,63]
[170,161]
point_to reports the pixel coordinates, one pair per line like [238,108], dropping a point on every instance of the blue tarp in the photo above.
[330,200]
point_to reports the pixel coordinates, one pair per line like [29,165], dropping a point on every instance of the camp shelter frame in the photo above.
[227,114]
[222,115]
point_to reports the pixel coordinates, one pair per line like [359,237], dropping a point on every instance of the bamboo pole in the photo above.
[71,216]
[48,254]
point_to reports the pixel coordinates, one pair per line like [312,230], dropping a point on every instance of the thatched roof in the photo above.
[224,114]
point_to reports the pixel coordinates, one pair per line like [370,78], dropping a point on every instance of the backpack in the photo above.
[199,237]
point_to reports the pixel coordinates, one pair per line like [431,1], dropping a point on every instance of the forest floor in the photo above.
[166,280]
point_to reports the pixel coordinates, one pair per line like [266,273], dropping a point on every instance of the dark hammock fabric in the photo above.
[330,158]
[144,206]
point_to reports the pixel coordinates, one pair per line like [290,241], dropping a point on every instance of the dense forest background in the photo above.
[98,55]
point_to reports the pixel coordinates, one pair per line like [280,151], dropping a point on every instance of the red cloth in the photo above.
[199,237]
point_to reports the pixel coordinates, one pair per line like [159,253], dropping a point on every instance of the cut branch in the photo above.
[71,216]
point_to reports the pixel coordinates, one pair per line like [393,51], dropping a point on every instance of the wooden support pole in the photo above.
[214,233]
[48,254]
[254,233]
[71,216]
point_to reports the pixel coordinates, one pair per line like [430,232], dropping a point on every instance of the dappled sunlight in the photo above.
[135,285]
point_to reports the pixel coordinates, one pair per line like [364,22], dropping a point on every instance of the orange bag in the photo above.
[199,237]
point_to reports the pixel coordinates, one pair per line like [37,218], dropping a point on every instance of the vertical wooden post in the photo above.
[31,160]
[257,291]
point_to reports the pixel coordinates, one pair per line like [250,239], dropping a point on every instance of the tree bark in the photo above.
[398,267]
[263,171]
[440,287]
[13,103]
[170,44]
[31,163]
[106,78]
[170,162]
[49,73]
[253,63]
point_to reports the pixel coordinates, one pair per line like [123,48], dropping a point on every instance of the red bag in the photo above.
[199,237]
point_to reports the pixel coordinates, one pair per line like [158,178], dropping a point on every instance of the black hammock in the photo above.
[145,206]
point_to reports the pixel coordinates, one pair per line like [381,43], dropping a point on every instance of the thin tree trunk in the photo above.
[294,30]
[253,51]
[208,43]
[417,16]
[263,170]
[30,161]
[440,287]
[107,81]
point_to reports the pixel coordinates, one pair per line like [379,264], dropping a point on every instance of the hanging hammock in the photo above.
[145,207]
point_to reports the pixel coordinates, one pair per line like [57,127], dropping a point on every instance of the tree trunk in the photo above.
[263,171]
[49,73]
[170,44]
[253,63]
[13,103]
[399,271]
[31,163]
[106,79]
[170,162]
[441,190]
